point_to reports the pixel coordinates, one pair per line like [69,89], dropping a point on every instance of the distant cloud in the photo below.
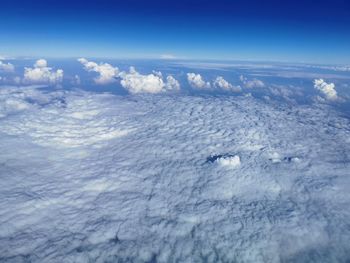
[221,83]
[327,89]
[41,73]
[255,83]
[107,73]
[167,56]
[76,80]
[41,63]
[196,81]
[135,82]
[7,67]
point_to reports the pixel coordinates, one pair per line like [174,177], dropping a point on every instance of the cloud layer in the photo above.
[97,177]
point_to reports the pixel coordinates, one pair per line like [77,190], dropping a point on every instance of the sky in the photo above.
[288,31]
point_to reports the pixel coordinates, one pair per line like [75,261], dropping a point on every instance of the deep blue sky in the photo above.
[298,31]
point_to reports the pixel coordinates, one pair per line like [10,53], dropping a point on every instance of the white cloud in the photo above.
[107,73]
[41,73]
[196,81]
[135,82]
[231,161]
[327,89]
[255,83]
[40,63]
[7,67]
[221,83]
[172,83]
[133,180]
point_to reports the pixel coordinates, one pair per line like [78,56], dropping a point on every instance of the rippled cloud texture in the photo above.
[157,178]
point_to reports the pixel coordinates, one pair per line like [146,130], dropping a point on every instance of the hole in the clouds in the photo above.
[115,240]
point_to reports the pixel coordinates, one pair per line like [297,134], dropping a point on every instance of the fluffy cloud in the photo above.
[7,67]
[327,89]
[196,81]
[41,73]
[135,82]
[229,161]
[107,73]
[172,83]
[255,83]
[132,80]
[221,83]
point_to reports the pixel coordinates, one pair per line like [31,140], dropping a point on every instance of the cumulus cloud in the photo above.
[229,161]
[221,83]
[327,89]
[172,83]
[131,80]
[255,83]
[41,73]
[6,67]
[135,82]
[196,81]
[107,73]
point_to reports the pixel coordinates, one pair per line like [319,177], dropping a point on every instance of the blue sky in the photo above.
[293,31]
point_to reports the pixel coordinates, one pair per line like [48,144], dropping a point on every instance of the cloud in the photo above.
[41,73]
[327,89]
[196,81]
[127,180]
[221,83]
[7,67]
[107,73]
[230,161]
[172,83]
[167,56]
[135,82]
[132,80]
[255,83]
